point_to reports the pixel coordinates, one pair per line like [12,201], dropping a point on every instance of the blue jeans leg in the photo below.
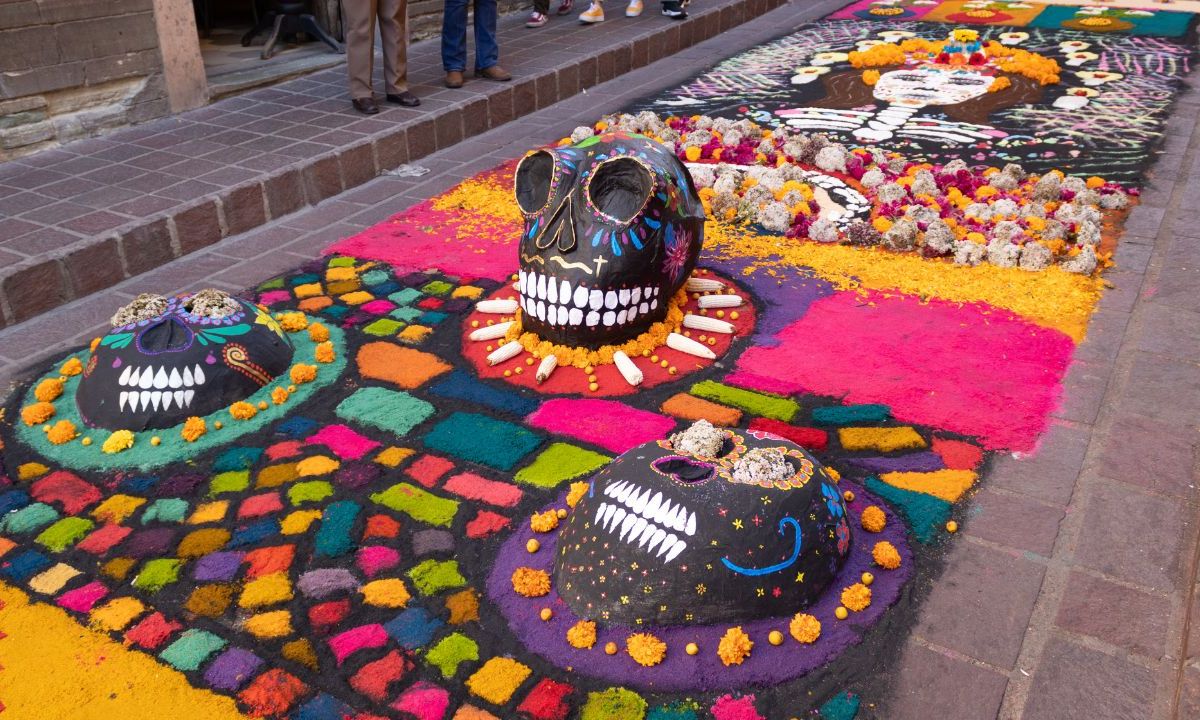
[454,35]
[487,51]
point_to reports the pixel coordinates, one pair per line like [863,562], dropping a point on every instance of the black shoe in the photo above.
[405,98]
[674,10]
[366,106]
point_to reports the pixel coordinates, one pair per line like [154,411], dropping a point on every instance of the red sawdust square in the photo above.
[374,677]
[547,701]
[67,489]
[958,455]
[272,693]
[260,505]
[474,487]
[486,523]
[151,632]
[103,539]
[381,526]
[268,560]
[428,469]
[328,614]
[805,437]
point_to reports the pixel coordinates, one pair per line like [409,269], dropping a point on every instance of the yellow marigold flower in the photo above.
[73,367]
[870,77]
[293,321]
[279,395]
[48,390]
[318,333]
[805,628]
[1000,83]
[242,411]
[856,597]
[1035,223]
[735,645]
[578,490]
[985,192]
[302,373]
[1093,182]
[544,522]
[886,556]
[873,519]
[62,432]
[692,153]
[582,635]
[119,441]
[977,237]
[324,352]
[530,582]
[645,649]
[37,413]
[193,429]
[882,224]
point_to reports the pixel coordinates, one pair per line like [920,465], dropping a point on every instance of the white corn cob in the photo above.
[720,301]
[675,341]
[545,368]
[508,350]
[695,284]
[707,324]
[629,371]
[491,332]
[499,307]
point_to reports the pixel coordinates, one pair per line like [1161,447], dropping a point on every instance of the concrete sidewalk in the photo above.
[1072,589]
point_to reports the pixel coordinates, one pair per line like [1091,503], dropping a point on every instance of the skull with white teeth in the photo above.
[168,359]
[613,227]
[665,536]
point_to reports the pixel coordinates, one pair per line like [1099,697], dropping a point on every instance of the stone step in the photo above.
[79,219]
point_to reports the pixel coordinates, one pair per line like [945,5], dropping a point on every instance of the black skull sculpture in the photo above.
[669,537]
[613,226]
[166,360]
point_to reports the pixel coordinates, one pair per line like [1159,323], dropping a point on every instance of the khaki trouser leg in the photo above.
[360,44]
[393,31]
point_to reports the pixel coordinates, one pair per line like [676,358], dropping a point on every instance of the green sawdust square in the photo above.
[388,410]
[189,652]
[64,533]
[418,504]
[452,651]
[434,576]
[755,403]
[560,462]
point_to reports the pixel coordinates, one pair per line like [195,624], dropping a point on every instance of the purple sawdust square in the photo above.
[232,668]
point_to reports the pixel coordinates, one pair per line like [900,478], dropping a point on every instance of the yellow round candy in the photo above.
[712,341]
[867,578]
[841,613]
[702,338]
[156,440]
[720,313]
[849,496]
[653,358]
[562,513]
[546,613]
[671,370]
[592,378]
[775,637]
[528,361]
[589,369]
[533,545]
[518,370]
[218,424]
[733,315]
[86,441]
[692,649]
[262,404]
[665,363]
[291,388]
[952,526]
[610,649]
[593,387]
[46,428]
[474,323]
[508,373]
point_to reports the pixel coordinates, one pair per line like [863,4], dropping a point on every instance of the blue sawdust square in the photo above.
[482,439]
[414,628]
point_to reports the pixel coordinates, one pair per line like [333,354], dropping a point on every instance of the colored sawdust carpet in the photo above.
[375,533]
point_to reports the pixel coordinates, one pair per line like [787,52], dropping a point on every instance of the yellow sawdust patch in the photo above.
[948,485]
[881,439]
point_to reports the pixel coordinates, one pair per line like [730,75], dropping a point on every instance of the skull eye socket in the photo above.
[620,188]
[170,335]
[533,179]
[685,470]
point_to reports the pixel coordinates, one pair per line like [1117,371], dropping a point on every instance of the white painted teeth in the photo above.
[581,296]
[559,302]
[646,520]
[148,388]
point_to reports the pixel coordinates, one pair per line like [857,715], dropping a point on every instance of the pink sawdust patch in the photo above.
[424,700]
[728,707]
[82,599]
[473,487]
[345,442]
[274,296]
[347,643]
[611,425]
[974,370]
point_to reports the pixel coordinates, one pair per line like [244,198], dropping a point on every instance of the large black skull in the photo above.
[155,372]
[613,226]
[666,538]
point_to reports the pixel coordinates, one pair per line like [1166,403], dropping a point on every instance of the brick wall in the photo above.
[75,68]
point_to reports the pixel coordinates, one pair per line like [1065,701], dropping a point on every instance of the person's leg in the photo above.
[487,51]
[393,19]
[454,36]
[360,45]
[538,17]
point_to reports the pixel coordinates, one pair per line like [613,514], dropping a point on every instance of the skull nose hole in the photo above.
[170,335]
[685,470]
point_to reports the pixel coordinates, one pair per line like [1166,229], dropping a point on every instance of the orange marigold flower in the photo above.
[193,429]
[856,597]
[63,432]
[805,628]
[578,490]
[692,153]
[873,519]
[870,77]
[544,522]
[582,635]
[279,395]
[530,582]
[324,352]
[48,390]
[71,367]
[242,411]
[882,224]
[734,647]
[1095,182]
[95,343]
[119,441]
[318,333]
[302,373]
[886,556]
[37,413]
[645,649]
[293,321]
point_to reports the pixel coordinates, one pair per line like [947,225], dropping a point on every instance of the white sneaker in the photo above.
[634,9]
[594,14]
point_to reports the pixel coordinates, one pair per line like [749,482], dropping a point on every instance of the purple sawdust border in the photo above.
[680,672]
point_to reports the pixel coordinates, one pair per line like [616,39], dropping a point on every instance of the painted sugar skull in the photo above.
[167,359]
[708,526]
[932,85]
[613,226]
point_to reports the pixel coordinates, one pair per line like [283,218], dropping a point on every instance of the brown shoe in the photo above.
[406,98]
[366,106]
[454,79]
[494,72]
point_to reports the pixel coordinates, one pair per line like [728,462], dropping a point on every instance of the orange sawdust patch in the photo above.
[688,407]
[405,367]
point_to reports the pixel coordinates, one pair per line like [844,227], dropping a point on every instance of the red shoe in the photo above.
[564,8]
